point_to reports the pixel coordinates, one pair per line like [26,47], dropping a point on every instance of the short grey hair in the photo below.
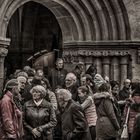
[65,93]
[39,89]
[71,76]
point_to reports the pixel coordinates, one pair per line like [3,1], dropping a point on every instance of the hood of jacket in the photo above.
[98,97]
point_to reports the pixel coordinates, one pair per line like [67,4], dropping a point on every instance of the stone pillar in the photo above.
[98,63]
[88,61]
[3,52]
[115,69]
[123,69]
[106,67]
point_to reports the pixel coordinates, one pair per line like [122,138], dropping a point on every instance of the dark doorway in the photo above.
[32,28]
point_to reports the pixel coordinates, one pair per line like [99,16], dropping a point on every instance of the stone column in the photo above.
[115,69]
[98,63]
[88,61]
[3,52]
[123,69]
[106,67]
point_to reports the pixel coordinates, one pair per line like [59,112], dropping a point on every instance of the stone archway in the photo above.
[81,21]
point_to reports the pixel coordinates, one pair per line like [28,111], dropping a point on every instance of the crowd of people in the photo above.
[74,105]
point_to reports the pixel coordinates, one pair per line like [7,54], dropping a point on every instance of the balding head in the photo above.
[70,79]
[127,83]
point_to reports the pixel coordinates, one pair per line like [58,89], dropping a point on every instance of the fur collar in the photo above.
[102,95]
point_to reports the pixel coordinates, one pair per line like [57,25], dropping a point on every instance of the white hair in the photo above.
[65,93]
[71,76]
[39,89]
[21,78]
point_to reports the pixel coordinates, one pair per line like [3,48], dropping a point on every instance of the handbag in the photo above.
[124,134]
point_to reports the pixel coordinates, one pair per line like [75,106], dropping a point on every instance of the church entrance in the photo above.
[35,37]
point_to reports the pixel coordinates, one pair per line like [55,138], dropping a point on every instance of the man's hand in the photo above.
[36,133]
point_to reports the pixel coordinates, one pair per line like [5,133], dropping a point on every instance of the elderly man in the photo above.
[74,125]
[124,94]
[57,75]
[71,85]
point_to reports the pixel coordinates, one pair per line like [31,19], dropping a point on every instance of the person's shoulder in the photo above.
[45,103]
[76,106]
[29,103]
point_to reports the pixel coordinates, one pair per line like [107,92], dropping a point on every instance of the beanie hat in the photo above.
[22,73]
[11,83]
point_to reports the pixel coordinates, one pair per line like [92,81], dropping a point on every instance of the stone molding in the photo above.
[95,53]
[4,43]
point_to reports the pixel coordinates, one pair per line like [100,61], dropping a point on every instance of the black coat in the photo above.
[136,131]
[34,117]
[74,125]
[57,78]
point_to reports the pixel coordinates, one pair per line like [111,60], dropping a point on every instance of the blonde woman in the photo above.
[39,116]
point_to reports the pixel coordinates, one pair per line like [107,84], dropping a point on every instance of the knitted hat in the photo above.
[11,83]
[22,73]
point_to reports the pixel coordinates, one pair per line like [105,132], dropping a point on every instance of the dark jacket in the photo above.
[134,110]
[136,131]
[57,78]
[107,124]
[10,119]
[42,116]
[124,93]
[74,91]
[74,125]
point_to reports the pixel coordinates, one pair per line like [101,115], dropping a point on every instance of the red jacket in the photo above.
[11,118]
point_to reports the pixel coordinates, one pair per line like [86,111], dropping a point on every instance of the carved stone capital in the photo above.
[3,52]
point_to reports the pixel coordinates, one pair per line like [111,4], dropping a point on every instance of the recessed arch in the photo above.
[80,20]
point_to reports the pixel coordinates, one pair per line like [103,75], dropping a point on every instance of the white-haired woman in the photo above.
[39,116]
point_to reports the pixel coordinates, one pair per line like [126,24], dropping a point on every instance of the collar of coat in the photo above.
[101,95]
[43,104]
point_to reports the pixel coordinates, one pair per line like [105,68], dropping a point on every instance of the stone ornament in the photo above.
[3,52]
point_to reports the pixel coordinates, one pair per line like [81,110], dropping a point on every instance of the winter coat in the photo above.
[107,124]
[134,110]
[90,111]
[39,116]
[74,125]
[57,78]
[10,119]
[74,91]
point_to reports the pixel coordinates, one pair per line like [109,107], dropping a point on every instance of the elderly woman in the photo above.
[39,116]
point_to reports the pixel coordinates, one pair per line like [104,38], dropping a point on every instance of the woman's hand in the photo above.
[36,133]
